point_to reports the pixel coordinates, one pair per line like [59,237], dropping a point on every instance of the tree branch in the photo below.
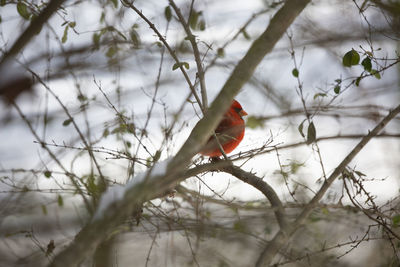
[196,53]
[264,187]
[170,50]
[32,30]
[283,236]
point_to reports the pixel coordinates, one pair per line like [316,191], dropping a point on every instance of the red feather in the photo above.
[230,132]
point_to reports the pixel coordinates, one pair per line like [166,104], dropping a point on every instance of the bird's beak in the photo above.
[243,113]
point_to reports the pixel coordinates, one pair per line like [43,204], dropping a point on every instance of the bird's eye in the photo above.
[237,109]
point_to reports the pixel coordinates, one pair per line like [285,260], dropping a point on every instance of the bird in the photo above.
[230,132]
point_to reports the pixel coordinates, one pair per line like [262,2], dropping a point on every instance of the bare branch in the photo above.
[170,50]
[282,236]
[192,39]
[264,188]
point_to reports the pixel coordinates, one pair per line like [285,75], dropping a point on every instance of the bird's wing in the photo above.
[226,132]
[229,129]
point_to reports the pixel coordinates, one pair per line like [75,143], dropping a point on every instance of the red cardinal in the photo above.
[230,132]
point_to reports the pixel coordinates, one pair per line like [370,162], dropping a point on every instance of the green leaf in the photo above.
[179,64]
[112,50]
[314,218]
[337,89]
[96,39]
[254,122]
[148,162]
[175,66]
[375,73]
[325,210]
[44,209]
[239,226]
[358,81]
[60,201]
[364,6]
[311,133]
[23,10]
[106,132]
[81,97]
[246,35]
[295,166]
[319,95]
[47,174]
[157,156]
[92,187]
[115,2]
[295,72]
[134,37]
[102,17]
[168,13]
[221,52]
[300,128]
[202,25]
[351,58]
[2,2]
[106,29]
[193,19]
[65,35]
[396,220]
[130,127]
[67,122]
[366,63]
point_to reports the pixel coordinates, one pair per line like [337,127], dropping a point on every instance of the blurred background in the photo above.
[95,96]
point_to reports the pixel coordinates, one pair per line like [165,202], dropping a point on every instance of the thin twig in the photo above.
[32,30]
[51,154]
[282,236]
[170,50]
[196,53]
